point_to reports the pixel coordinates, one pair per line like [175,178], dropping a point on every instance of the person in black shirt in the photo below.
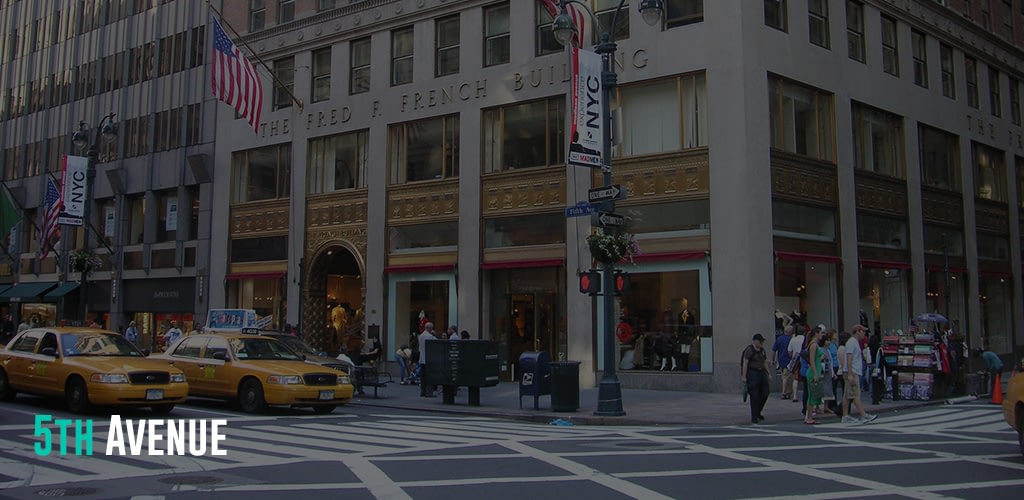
[754,373]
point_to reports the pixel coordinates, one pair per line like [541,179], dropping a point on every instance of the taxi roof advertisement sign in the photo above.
[232,320]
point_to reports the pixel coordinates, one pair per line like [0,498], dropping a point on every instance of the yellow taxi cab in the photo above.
[255,371]
[87,367]
[1013,403]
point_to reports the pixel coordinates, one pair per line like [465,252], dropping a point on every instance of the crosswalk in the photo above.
[971,418]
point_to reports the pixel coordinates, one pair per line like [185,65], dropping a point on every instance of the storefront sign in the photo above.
[171,223]
[159,295]
[73,190]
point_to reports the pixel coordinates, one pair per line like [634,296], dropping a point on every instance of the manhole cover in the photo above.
[191,480]
[67,492]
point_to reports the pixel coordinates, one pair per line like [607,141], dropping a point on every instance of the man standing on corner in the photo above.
[754,373]
[780,359]
[854,365]
[428,334]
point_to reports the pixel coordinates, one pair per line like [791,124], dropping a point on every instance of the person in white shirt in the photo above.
[854,365]
[795,346]
[131,333]
[428,334]
[172,335]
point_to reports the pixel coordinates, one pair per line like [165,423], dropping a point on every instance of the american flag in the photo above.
[234,78]
[578,18]
[52,205]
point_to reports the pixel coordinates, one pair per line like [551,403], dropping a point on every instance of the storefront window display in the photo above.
[884,298]
[937,293]
[526,312]
[807,291]
[151,327]
[418,299]
[265,296]
[996,314]
[38,314]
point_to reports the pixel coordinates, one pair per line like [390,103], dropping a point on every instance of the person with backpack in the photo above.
[754,373]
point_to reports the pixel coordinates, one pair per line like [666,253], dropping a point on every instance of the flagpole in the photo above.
[253,52]
[21,209]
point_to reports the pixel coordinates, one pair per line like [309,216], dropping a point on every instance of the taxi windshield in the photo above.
[297,345]
[257,348]
[97,344]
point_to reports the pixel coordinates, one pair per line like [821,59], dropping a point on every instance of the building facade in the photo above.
[63,62]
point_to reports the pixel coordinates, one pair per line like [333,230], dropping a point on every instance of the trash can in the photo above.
[565,386]
[977,383]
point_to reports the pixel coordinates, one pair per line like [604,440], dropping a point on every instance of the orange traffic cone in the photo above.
[997,391]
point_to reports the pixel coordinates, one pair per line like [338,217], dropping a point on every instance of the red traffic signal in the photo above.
[622,283]
[590,282]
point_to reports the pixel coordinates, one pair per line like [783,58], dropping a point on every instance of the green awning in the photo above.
[61,291]
[27,290]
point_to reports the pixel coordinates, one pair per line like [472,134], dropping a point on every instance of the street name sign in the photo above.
[607,219]
[580,209]
[605,193]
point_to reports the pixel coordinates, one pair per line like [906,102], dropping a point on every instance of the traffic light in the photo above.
[622,283]
[590,282]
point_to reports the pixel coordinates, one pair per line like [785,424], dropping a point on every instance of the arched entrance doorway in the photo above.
[334,299]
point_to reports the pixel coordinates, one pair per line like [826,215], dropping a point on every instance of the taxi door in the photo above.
[46,366]
[186,358]
[16,359]
[216,372]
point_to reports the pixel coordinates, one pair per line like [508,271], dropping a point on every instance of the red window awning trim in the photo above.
[884,264]
[670,256]
[521,264]
[255,276]
[807,257]
[941,269]
[418,268]
[995,274]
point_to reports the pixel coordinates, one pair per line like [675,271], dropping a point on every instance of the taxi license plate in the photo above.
[326,395]
[154,394]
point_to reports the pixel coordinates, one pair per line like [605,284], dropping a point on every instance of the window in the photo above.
[136,219]
[496,35]
[321,90]
[198,47]
[326,4]
[940,158]
[995,100]
[855,30]
[878,141]
[890,49]
[546,42]
[447,31]
[433,235]
[920,52]
[285,11]
[971,73]
[946,61]
[666,115]
[401,56]
[1014,87]
[284,84]
[986,14]
[876,231]
[424,149]
[261,174]
[802,119]
[520,230]
[803,221]
[989,172]
[257,14]
[817,18]
[193,124]
[1008,20]
[360,66]
[605,10]
[1019,161]
[683,12]
[524,135]
[775,14]
[337,162]
[167,216]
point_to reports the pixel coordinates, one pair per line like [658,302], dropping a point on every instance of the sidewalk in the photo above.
[642,407]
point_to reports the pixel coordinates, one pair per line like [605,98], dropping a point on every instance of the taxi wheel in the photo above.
[6,392]
[250,397]
[77,395]
[163,409]
[324,409]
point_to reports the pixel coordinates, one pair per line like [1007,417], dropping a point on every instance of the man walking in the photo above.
[780,359]
[428,334]
[172,335]
[754,372]
[854,365]
[131,333]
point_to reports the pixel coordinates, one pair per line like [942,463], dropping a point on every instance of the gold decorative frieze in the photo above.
[523,191]
[992,216]
[661,178]
[336,209]
[942,207]
[881,194]
[316,238]
[423,202]
[264,218]
[803,181]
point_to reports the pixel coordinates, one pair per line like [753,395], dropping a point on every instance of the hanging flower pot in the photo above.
[84,261]
[611,248]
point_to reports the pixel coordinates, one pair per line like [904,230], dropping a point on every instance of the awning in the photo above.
[61,291]
[884,264]
[671,256]
[807,257]
[522,264]
[255,276]
[940,269]
[419,268]
[28,290]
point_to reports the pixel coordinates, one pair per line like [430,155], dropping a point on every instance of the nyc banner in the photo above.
[73,190]
[587,128]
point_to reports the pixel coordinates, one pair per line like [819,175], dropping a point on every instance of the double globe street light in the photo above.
[609,391]
[106,131]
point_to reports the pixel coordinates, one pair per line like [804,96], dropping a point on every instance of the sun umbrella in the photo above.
[932,317]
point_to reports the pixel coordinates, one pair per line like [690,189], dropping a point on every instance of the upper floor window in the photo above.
[878,141]
[855,30]
[545,37]
[971,74]
[802,119]
[1008,20]
[665,115]
[321,90]
[496,35]
[683,12]
[940,158]
[986,14]
[447,60]
[424,149]
[890,47]
[605,12]
[359,71]
[817,18]
[995,100]
[257,14]
[401,55]
[989,172]
[920,53]
[326,4]
[946,63]
[285,11]
[284,84]
[524,135]
[337,162]
[1014,87]
[775,14]
[262,173]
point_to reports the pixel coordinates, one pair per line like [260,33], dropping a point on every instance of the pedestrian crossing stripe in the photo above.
[974,418]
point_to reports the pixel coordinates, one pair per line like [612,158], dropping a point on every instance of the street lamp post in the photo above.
[106,130]
[946,294]
[609,395]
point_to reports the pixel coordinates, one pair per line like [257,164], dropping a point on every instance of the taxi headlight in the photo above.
[109,378]
[284,379]
[343,379]
[177,377]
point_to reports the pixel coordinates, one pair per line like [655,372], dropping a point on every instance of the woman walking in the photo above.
[815,381]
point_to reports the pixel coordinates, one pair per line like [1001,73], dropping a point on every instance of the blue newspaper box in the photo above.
[534,376]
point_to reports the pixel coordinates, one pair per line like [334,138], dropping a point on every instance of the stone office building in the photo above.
[820,158]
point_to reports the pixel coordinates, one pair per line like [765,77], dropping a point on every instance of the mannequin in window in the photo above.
[782,320]
[687,333]
[423,321]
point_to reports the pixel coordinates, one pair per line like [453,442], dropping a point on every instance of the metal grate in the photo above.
[67,492]
[321,378]
[152,378]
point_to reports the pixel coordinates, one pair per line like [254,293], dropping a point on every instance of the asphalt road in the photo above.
[935,452]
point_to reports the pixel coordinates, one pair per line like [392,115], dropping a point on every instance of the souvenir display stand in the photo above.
[913,357]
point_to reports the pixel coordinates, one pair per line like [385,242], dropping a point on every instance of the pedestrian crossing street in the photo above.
[971,418]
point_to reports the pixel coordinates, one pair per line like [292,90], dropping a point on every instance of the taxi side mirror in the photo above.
[220,355]
[145,352]
[48,351]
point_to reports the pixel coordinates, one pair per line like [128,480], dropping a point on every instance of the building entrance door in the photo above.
[533,324]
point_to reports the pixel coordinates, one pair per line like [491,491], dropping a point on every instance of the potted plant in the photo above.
[609,248]
[84,261]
